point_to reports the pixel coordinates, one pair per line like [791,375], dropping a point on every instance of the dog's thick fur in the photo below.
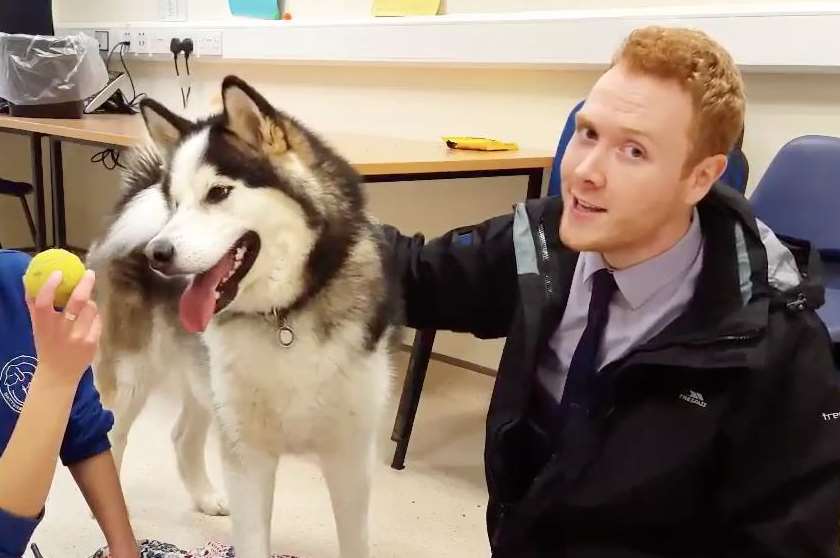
[319,279]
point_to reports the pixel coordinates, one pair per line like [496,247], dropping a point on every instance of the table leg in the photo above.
[535,180]
[38,187]
[421,352]
[57,190]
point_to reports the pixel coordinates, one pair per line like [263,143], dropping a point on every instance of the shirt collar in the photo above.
[640,282]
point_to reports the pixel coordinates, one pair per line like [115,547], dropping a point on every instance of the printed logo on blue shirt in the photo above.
[14,381]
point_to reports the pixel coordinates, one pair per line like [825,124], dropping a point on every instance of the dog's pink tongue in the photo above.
[199,300]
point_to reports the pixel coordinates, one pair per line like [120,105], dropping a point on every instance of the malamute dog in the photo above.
[241,260]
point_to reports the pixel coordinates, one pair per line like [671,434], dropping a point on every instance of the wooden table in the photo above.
[377,159]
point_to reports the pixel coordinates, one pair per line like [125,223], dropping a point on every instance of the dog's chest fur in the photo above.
[293,399]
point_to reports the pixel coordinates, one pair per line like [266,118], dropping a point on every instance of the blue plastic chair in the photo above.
[736,175]
[799,196]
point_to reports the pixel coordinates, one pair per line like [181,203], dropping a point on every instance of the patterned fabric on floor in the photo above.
[157,549]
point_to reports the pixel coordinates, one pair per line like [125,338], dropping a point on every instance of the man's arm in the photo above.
[98,482]
[462,281]
[780,494]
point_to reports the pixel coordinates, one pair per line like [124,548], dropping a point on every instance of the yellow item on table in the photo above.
[44,264]
[405,7]
[479,144]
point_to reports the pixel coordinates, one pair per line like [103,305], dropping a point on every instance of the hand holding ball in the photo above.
[44,264]
[66,340]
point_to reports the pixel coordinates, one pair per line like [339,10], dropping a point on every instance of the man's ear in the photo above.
[249,116]
[704,176]
[165,127]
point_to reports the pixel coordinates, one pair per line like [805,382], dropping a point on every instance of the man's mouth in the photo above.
[584,207]
[211,291]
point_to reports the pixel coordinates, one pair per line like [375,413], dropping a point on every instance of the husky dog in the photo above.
[242,260]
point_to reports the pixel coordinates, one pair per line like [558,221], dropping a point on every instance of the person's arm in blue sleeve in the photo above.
[28,461]
[89,424]
[15,533]
[61,415]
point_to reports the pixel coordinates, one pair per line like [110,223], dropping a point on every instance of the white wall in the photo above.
[527,106]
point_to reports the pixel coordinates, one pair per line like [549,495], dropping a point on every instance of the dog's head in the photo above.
[262,212]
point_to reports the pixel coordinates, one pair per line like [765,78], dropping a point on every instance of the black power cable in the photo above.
[110,158]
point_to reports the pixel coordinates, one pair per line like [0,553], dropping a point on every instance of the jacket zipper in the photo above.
[747,336]
[503,507]
[545,257]
[798,304]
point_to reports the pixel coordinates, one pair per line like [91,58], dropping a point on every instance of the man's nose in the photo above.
[590,167]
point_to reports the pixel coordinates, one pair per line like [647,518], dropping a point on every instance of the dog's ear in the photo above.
[165,127]
[249,116]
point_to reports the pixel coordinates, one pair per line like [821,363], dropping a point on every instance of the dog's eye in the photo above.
[218,193]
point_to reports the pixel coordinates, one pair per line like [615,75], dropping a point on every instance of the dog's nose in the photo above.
[161,252]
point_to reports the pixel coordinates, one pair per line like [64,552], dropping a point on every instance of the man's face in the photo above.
[625,192]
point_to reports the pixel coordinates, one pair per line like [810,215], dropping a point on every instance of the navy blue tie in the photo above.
[584,362]
[569,425]
[577,394]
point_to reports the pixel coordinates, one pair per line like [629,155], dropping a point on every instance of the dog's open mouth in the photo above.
[214,289]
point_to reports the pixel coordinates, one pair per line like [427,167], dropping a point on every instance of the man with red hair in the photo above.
[666,387]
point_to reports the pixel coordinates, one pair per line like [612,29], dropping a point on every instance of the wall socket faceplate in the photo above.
[207,42]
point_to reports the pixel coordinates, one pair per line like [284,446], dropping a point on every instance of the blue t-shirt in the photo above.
[89,424]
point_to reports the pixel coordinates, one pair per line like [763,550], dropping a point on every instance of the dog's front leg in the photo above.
[347,470]
[249,476]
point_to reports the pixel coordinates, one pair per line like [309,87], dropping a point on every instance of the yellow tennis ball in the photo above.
[44,264]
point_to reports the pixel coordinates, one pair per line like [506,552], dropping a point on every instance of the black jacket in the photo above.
[752,471]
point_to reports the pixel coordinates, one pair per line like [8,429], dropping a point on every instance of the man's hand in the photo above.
[66,341]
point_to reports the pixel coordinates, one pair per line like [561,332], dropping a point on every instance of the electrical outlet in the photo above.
[102,38]
[140,44]
[159,42]
[208,43]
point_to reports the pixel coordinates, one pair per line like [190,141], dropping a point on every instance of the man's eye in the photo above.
[217,194]
[634,152]
[589,133]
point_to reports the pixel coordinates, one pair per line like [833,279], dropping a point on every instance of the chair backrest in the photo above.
[736,175]
[799,195]
[554,181]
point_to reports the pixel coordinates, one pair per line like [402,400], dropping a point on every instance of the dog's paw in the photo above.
[212,504]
